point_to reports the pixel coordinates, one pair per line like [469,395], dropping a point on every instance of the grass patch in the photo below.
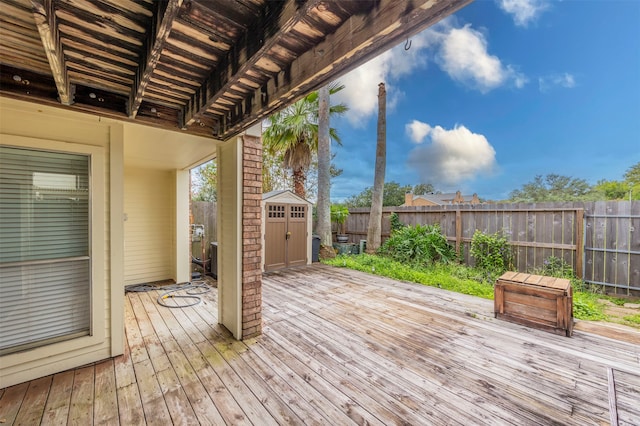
[633,319]
[458,278]
[587,307]
[448,277]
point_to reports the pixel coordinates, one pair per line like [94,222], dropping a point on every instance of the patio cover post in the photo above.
[239,235]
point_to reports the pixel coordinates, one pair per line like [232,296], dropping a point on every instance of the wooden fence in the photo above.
[600,240]
[612,244]
[204,213]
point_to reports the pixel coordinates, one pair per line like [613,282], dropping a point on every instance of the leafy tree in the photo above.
[632,175]
[293,133]
[204,181]
[611,190]
[274,177]
[393,195]
[424,188]
[552,187]
[632,178]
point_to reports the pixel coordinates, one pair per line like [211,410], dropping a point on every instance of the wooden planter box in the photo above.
[534,300]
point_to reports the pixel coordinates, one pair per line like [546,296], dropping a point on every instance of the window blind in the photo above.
[45,264]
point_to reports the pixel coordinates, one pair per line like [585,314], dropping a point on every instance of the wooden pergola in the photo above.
[210,68]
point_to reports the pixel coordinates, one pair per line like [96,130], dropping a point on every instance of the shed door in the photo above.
[297,235]
[285,236]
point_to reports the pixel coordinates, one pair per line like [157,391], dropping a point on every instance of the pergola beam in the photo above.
[244,58]
[157,37]
[45,18]
[385,26]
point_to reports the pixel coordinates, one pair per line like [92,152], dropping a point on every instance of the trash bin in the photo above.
[363,246]
[315,248]
[213,254]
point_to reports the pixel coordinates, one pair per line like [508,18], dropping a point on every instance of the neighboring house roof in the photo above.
[441,199]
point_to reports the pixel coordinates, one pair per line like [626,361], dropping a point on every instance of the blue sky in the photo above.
[497,93]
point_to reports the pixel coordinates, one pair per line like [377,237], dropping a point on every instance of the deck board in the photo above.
[339,347]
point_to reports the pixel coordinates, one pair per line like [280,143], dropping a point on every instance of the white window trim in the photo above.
[97,230]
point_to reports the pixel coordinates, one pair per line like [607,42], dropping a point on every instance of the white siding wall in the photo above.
[23,124]
[143,175]
[149,205]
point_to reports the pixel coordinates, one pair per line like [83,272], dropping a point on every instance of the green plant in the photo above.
[339,214]
[435,275]
[491,252]
[587,307]
[418,245]
[555,267]
[634,319]
[394,220]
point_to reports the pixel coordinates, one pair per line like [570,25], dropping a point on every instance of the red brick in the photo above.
[251,298]
[256,196]
[253,323]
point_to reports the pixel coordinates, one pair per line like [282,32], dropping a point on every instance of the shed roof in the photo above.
[212,68]
[283,193]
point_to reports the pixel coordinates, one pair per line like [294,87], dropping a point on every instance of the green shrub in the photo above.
[418,245]
[555,267]
[492,253]
[634,319]
[396,225]
[339,214]
[587,307]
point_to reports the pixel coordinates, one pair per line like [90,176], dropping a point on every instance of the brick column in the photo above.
[251,236]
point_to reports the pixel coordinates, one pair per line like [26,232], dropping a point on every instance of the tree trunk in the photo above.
[298,182]
[323,229]
[375,218]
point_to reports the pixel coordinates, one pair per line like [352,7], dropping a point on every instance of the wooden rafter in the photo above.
[156,40]
[45,18]
[349,47]
[225,77]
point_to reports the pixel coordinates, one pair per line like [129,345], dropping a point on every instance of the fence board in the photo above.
[204,213]
[622,244]
[634,245]
[610,239]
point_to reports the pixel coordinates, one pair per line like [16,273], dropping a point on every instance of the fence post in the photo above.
[458,232]
[579,242]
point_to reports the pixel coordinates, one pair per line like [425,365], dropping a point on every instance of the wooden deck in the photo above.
[340,347]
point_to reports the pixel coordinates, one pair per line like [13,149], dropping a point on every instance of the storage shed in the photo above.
[286,227]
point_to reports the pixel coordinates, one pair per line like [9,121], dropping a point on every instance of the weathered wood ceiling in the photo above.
[209,67]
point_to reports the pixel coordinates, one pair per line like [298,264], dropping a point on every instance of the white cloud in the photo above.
[453,156]
[361,88]
[465,58]
[564,80]
[361,85]
[461,52]
[417,130]
[524,11]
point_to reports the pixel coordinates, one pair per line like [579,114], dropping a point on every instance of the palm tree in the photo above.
[375,216]
[323,206]
[294,132]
